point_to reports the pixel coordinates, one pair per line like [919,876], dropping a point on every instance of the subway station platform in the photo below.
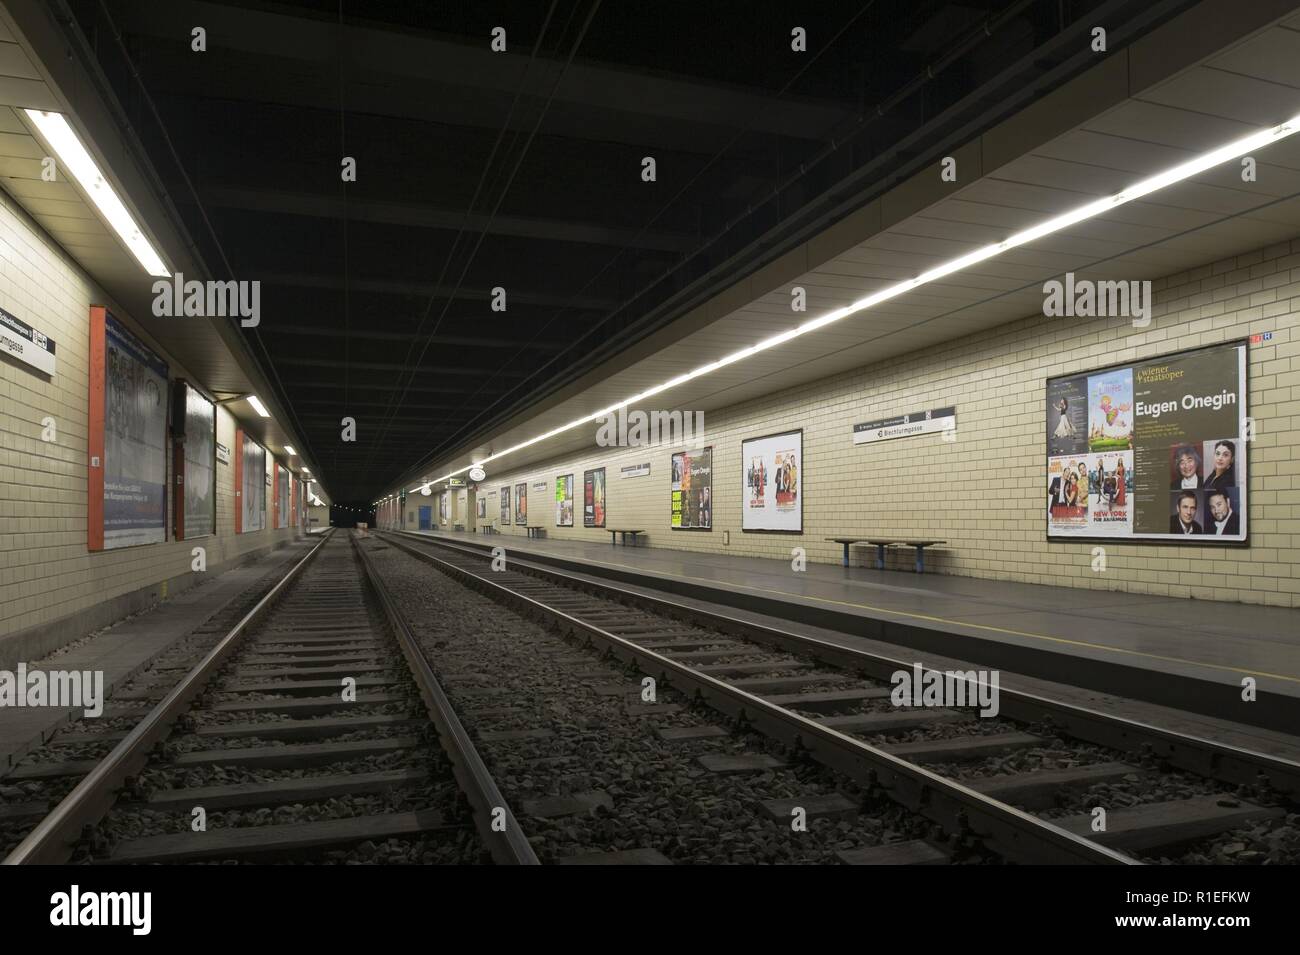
[1188,655]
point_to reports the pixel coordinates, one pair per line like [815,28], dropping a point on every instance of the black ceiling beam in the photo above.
[442,72]
[429,217]
[358,331]
[396,287]
[296,361]
[298,384]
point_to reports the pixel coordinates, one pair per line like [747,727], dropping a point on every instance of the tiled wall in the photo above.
[984,493]
[46,572]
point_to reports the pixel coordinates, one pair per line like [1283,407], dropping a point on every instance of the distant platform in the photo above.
[1187,654]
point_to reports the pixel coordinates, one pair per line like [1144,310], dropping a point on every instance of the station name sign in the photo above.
[19,340]
[635,470]
[906,426]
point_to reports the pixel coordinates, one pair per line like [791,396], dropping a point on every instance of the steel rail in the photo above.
[54,839]
[1012,833]
[493,818]
[1195,754]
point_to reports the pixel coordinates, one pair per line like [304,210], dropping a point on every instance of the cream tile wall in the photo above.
[46,572]
[984,493]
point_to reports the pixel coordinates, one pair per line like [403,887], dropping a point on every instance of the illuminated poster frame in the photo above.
[1151,451]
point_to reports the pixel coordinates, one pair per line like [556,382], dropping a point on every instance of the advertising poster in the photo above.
[564,500]
[505,505]
[135,440]
[254,496]
[200,465]
[692,490]
[593,498]
[772,477]
[282,475]
[1067,415]
[1165,457]
[521,504]
[481,508]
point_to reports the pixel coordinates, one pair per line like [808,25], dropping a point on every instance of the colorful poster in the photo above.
[593,498]
[564,500]
[135,440]
[200,467]
[692,490]
[1166,450]
[505,506]
[1110,411]
[521,504]
[772,491]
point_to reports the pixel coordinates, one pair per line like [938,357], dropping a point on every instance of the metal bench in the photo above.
[535,530]
[919,545]
[880,546]
[613,531]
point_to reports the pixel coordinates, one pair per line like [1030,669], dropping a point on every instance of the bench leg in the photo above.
[846,555]
[920,560]
[880,557]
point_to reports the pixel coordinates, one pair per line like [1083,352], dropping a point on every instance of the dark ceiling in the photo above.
[523,170]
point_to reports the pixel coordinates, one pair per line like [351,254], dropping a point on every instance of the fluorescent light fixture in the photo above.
[260,408]
[61,138]
[288,449]
[1179,173]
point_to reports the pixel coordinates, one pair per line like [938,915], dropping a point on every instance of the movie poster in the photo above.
[1166,450]
[692,490]
[253,499]
[200,465]
[135,440]
[593,498]
[521,504]
[564,500]
[505,506]
[772,491]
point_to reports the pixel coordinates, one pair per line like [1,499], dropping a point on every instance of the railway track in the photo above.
[604,770]
[309,731]
[1024,785]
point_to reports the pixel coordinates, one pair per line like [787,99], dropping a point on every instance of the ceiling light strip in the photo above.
[60,137]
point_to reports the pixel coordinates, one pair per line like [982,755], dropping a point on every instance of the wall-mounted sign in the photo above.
[635,470]
[477,474]
[223,454]
[455,482]
[539,485]
[906,426]
[19,340]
